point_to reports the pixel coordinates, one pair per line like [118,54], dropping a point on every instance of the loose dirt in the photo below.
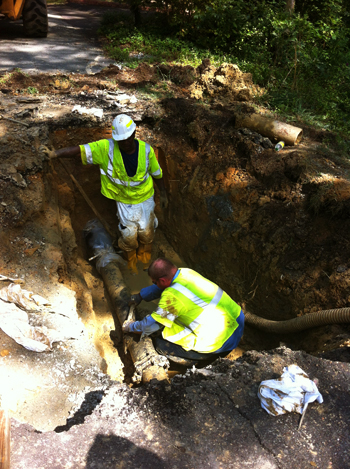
[270,228]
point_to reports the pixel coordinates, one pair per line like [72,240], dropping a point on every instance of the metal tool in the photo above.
[302,415]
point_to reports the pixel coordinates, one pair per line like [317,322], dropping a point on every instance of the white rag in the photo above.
[292,392]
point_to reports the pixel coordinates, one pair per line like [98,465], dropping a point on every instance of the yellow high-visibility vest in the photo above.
[196,313]
[115,182]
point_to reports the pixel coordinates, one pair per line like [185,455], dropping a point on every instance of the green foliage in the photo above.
[150,43]
[32,90]
[5,77]
[301,59]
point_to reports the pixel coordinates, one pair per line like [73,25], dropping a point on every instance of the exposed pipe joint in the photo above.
[148,363]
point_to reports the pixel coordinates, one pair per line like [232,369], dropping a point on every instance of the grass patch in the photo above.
[149,43]
[32,90]
[5,78]
[158,91]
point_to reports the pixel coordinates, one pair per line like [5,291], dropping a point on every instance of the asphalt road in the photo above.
[71,45]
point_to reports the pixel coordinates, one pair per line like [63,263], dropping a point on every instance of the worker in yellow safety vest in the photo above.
[197,315]
[127,169]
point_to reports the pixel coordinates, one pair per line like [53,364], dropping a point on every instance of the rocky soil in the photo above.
[207,419]
[270,228]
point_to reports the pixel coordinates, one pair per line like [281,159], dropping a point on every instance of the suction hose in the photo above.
[321,318]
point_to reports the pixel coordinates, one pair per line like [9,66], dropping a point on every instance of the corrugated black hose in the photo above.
[321,318]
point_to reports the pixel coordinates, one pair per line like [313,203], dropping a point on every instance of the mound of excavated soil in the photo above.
[226,82]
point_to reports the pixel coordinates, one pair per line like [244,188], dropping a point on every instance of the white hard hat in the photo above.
[122,127]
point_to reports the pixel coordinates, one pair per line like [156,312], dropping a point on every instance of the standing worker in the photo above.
[199,317]
[126,165]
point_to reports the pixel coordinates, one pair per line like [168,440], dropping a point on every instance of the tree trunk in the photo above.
[290,5]
[135,10]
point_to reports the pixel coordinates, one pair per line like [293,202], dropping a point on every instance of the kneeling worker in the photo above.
[197,314]
[127,169]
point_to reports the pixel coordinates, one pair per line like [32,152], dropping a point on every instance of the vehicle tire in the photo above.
[35,20]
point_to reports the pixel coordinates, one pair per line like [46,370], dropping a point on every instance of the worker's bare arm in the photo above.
[68,152]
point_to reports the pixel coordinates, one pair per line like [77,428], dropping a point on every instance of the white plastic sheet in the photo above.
[292,392]
[24,298]
[15,323]
[83,110]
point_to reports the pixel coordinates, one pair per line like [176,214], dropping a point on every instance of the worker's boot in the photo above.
[132,260]
[144,253]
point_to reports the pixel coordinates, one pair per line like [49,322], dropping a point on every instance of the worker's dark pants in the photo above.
[164,347]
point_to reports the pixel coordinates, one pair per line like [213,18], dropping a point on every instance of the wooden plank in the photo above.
[5,437]
[88,201]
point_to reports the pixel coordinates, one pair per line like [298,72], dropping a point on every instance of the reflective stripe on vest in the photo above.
[124,183]
[197,301]
[88,153]
[156,173]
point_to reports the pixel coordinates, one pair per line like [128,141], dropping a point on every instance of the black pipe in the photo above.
[148,364]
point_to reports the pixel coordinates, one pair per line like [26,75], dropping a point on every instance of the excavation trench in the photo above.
[71,180]
[270,228]
[202,230]
[239,214]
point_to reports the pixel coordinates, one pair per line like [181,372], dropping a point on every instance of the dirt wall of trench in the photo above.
[270,228]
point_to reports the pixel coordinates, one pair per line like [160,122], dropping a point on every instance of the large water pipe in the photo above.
[271,128]
[147,362]
[301,323]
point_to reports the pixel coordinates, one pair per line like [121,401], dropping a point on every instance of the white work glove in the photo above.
[49,154]
[135,300]
[126,325]
[163,200]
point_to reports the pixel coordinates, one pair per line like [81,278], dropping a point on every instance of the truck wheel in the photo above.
[35,21]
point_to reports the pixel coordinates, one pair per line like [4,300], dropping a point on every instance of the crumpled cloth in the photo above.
[292,392]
